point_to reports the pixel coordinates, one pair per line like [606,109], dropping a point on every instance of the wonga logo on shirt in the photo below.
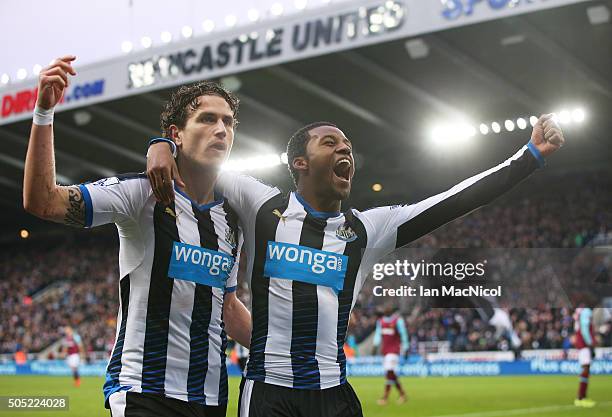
[304,264]
[200,265]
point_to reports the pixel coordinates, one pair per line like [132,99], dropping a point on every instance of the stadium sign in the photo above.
[283,41]
[365,366]
[455,9]
[362,366]
[23,101]
[319,31]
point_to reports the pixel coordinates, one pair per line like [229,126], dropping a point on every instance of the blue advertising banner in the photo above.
[372,366]
[364,366]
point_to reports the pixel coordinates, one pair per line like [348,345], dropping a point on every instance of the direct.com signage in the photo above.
[16,104]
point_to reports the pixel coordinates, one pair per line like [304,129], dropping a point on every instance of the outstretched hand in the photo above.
[547,135]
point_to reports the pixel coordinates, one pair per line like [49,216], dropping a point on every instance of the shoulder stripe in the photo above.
[88,205]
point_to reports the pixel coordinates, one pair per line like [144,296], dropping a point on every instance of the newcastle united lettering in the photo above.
[303,36]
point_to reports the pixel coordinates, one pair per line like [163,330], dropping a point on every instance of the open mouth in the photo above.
[219,146]
[342,169]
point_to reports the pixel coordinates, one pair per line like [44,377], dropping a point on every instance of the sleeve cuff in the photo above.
[88,205]
[168,141]
[230,289]
[537,155]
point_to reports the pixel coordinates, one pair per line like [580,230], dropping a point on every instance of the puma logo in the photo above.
[169,211]
[278,214]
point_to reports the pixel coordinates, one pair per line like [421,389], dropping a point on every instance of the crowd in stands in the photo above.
[46,286]
[572,212]
[73,280]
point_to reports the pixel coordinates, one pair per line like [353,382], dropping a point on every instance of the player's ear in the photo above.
[300,163]
[175,135]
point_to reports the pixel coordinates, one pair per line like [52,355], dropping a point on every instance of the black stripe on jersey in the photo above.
[131,175]
[306,314]
[265,230]
[201,314]
[114,365]
[482,192]
[232,221]
[158,305]
[223,388]
[354,252]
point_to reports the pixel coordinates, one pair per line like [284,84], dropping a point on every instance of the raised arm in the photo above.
[42,197]
[399,225]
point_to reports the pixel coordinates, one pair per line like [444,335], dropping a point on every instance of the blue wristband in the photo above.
[168,141]
[536,153]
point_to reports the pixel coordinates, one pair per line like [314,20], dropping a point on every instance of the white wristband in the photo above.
[43,117]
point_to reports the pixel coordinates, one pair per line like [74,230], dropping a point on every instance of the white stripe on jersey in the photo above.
[133,345]
[327,326]
[117,403]
[181,308]
[213,374]
[280,303]
[245,404]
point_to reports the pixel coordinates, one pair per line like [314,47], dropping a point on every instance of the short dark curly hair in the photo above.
[297,146]
[185,100]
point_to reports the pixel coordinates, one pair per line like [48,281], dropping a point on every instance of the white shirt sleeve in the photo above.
[114,199]
[244,193]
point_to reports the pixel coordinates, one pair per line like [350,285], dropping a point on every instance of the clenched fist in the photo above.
[53,81]
[547,135]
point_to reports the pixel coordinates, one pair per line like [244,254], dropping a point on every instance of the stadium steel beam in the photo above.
[333,98]
[7,182]
[249,100]
[590,76]
[96,141]
[269,111]
[19,164]
[244,139]
[73,160]
[463,60]
[401,84]
[147,132]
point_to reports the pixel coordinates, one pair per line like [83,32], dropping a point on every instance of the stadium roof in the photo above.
[387,98]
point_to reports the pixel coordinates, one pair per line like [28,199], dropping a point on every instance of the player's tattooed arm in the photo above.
[75,211]
[61,204]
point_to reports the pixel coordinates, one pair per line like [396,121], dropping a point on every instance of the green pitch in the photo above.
[539,396]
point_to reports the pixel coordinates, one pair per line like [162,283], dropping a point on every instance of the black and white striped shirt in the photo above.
[176,262]
[307,267]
